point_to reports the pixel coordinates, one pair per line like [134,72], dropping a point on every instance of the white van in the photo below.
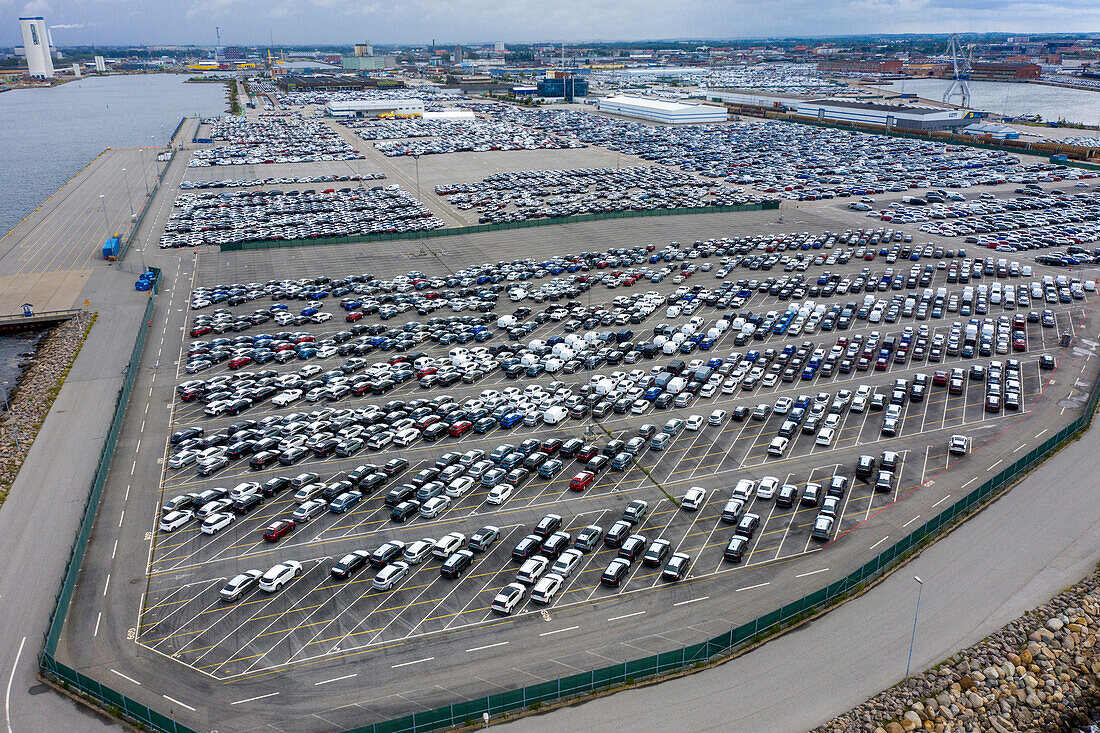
[555,415]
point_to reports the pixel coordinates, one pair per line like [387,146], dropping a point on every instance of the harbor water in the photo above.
[48,135]
[1013,99]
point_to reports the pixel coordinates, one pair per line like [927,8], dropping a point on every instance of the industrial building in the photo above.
[334,83]
[655,110]
[376,108]
[891,115]
[756,98]
[562,87]
[36,43]
[989,131]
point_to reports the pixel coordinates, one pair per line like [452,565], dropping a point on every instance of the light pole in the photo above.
[156,161]
[920,587]
[126,183]
[103,206]
[144,174]
[416,157]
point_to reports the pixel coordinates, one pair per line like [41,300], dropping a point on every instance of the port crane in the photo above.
[960,65]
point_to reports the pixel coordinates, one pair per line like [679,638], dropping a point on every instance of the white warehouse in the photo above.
[669,113]
[375,107]
[902,116]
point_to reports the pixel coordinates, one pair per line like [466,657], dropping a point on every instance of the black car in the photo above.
[548,525]
[632,547]
[453,566]
[247,503]
[555,545]
[275,486]
[349,563]
[615,573]
[395,466]
[526,548]
[399,494]
[386,554]
[404,510]
[735,550]
[292,455]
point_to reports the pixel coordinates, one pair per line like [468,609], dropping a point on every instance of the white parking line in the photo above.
[812,572]
[131,679]
[336,679]
[177,702]
[487,646]
[628,615]
[98,618]
[558,631]
[910,521]
[879,542]
[750,587]
[693,600]
[415,661]
[250,699]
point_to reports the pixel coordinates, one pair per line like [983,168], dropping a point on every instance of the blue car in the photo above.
[511,420]
[345,502]
[651,393]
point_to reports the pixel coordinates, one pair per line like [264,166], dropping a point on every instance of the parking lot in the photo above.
[316,616]
[271,364]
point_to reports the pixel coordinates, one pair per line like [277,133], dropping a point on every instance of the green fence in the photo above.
[481,228]
[48,664]
[583,683]
[148,202]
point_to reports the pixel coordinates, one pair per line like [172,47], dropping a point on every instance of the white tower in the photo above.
[36,42]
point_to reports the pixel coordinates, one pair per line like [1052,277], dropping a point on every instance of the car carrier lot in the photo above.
[335,653]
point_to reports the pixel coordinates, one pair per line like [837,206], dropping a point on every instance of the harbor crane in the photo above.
[960,64]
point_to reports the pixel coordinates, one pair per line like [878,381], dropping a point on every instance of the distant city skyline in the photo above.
[309,22]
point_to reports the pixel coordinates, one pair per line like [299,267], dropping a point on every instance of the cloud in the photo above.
[72,25]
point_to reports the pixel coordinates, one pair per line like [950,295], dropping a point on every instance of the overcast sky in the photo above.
[248,22]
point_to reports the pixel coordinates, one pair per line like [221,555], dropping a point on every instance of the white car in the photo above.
[825,436]
[778,446]
[567,562]
[693,498]
[406,437]
[211,508]
[447,544]
[717,417]
[174,520]
[435,506]
[694,422]
[532,569]
[783,405]
[547,587]
[508,598]
[183,458]
[767,487]
[390,575]
[286,397]
[459,486]
[280,575]
[418,551]
[217,522]
[499,494]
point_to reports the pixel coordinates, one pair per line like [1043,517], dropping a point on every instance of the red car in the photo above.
[460,428]
[201,330]
[582,481]
[396,360]
[304,338]
[277,529]
[353,316]
[587,453]
[240,361]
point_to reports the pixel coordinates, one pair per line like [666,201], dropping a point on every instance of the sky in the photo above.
[338,22]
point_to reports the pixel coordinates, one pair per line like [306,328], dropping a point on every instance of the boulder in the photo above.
[893,727]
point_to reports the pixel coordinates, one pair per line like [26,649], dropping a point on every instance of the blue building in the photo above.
[568,88]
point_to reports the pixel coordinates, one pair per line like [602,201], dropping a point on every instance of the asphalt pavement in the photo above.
[1040,537]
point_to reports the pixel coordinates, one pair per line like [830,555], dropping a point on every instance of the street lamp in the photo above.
[103,206]
[144,175]
[156,161]
[920,587]
[126,183]
[416,157]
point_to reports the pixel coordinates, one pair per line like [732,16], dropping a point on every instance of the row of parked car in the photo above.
[277,181]
[221,218]
[270,139]
[522,195]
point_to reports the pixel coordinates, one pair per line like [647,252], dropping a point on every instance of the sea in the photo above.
[1006,98]
[47,135]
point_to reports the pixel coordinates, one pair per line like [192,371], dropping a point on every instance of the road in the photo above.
[58,247]
[978,578]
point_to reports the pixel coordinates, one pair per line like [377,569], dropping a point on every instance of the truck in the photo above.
[111,247]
